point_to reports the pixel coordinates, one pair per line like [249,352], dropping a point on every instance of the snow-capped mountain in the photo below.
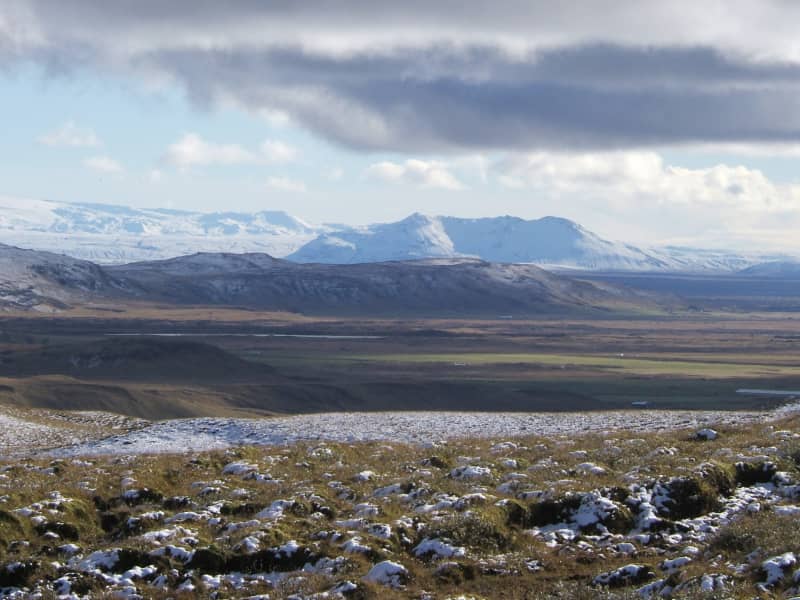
[415,237]
[108,234]
[116,234]
[779,268]
[550,241]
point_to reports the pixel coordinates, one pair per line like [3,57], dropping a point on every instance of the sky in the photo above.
[645,121]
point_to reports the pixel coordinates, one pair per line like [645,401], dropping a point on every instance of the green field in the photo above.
[547,365]
[621,364]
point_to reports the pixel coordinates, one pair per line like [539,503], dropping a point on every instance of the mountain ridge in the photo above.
[112,234]
[548,240]
[33,280]
[789,269]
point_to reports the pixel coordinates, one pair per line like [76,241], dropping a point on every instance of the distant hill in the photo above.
[454,286]
[46,282]
[784,269]
[434,286]
[131,358]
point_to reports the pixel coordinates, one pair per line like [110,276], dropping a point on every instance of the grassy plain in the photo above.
[620,364]
[685,361]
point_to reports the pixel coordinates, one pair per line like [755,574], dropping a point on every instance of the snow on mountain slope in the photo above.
[108,234]
[116,234]
[432,286]
[786,269]
[43,281]
[36,280]
[416,236]
[548,241]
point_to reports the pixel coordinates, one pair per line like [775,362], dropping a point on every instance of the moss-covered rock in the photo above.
[323,509]
[272,559]
[208,560]
[753,473]
[177,502]
[142,496]
[66,531]
[551,511]
[472,530]
[455,573]
[113,521]
[242,509]
[516,513]
[127,558]
[17,574]
[719,477]
[437,462]
[688,498]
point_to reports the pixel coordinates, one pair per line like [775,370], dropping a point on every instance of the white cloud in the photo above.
[155,176]
[193,151]
[429,174]
[643,176]
[103,164]
[69,134]
[276,118]
[284,184]
[275,151]
[334,173]
[637,192]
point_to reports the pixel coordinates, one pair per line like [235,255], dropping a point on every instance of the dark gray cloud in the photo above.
[478,98]
[447,76]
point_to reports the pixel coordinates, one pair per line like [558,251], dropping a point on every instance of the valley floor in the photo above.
[364,501]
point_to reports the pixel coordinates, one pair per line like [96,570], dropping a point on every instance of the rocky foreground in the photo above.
[688,513]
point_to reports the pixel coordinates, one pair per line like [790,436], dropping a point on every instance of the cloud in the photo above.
[284,184]
[428,174]
[193,151]
[334,173]
[69,134]
[643,177]
[447,76]
[664,202]
[277,152]
[103,164]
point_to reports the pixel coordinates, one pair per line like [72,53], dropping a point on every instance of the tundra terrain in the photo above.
[641,507]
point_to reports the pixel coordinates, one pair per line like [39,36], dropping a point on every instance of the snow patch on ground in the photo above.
[192,435]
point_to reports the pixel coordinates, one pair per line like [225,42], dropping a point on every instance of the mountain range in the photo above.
[549,242]
[44,281]
[110,234]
